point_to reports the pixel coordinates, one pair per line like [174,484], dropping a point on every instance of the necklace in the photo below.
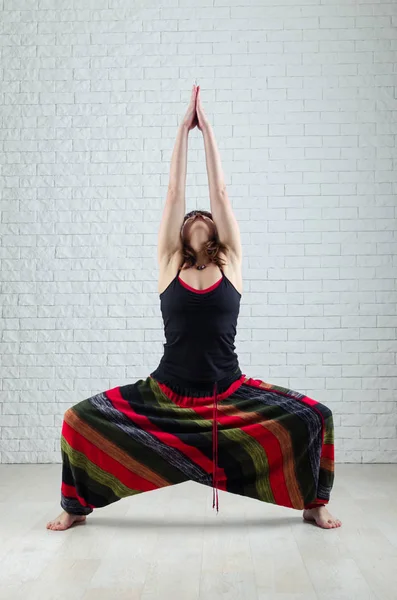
[200,267]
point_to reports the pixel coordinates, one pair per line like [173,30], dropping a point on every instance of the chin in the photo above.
[201,242]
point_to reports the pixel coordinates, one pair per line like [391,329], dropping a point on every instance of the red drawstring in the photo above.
[215,451]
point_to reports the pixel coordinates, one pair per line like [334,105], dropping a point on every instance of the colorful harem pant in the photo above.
[272,444]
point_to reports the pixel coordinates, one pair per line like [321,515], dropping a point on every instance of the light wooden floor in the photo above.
[170,544]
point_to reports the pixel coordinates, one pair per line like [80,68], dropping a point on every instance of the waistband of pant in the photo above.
[197,389]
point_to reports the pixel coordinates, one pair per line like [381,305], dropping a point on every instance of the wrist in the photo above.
[184,128]
[205,128]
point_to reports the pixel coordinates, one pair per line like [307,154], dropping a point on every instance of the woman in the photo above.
[197,417]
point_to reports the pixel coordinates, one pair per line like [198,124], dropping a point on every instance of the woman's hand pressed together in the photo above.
[190,120]
[203,122]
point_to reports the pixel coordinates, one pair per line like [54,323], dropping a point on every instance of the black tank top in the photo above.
[200,328]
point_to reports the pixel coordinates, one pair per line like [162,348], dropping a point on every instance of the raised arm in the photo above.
[169,239]
[178,168]
[177,182]
[221,208]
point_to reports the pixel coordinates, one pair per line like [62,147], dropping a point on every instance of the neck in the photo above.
[202,260]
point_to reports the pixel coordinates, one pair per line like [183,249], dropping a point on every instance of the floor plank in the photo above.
[170,543]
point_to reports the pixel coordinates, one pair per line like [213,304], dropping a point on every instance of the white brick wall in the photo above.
[302,98]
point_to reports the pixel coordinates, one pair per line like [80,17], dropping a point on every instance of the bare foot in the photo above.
[322,517]
[64,521]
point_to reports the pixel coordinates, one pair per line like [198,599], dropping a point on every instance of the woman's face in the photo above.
[198,222]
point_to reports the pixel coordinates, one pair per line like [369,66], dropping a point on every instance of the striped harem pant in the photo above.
[253,438]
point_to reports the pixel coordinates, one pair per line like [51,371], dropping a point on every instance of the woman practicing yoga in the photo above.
[197,417]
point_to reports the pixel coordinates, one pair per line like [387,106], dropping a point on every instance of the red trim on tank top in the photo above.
[192,289]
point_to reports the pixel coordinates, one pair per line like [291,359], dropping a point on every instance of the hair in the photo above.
[212,247]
